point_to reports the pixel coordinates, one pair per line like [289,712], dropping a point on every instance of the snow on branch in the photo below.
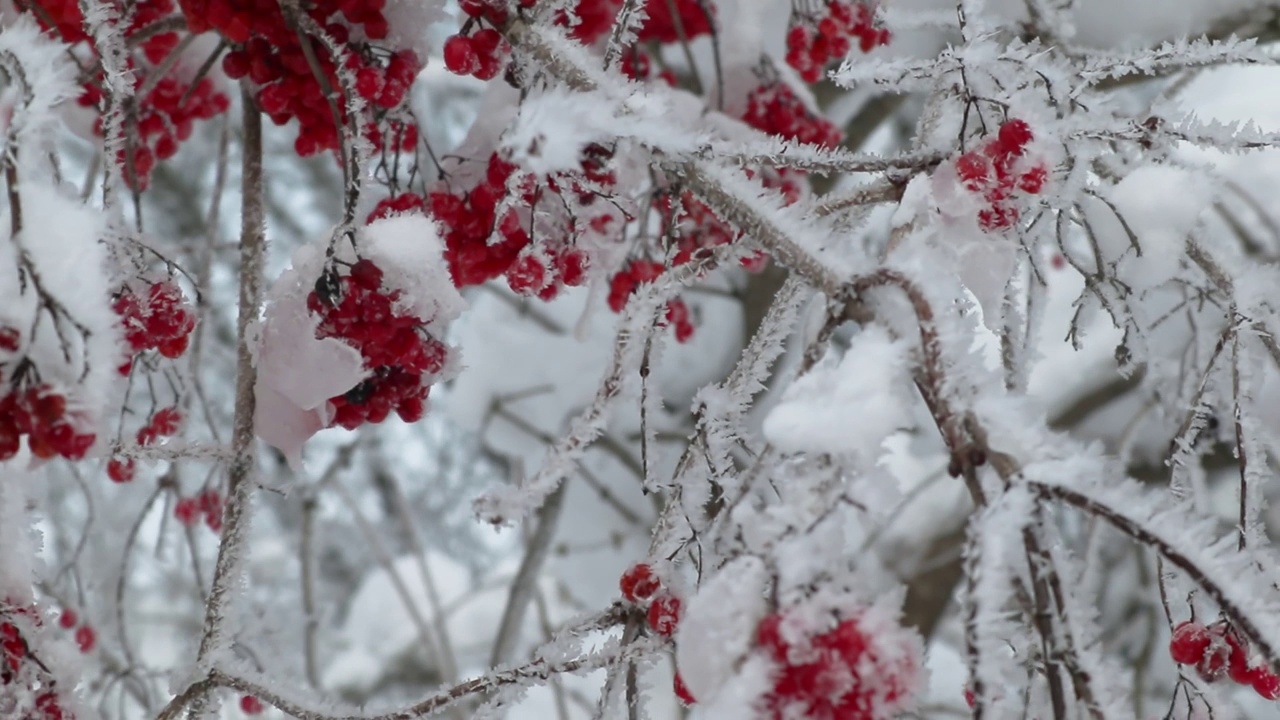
[1174,56]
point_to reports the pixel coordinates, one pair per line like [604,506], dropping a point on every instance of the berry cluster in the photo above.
[774,108]
[840,673]
[86,637]
[18,663]
[486,235]
[640,584]
[162,320]
[1219,651]
[994,171]
[402,357]
[250,705]
[479,55]
[640,272]
[165,116]
[478,49]
[164,423]
[276,53]
[41,413]
[814,41]
[208,503]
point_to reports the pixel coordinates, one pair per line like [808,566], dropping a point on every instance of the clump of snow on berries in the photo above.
[54,280]
[989,183]
[718,627]
[860,665]
[376,330]
[847,405]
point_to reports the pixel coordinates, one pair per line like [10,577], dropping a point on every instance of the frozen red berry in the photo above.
[86,638]
[250,705]
[1189,643]
[664,614]
[639,583]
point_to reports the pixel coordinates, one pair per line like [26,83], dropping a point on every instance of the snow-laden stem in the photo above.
[294,703]
[226,574]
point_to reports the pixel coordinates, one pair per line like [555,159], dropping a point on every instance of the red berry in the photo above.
[682,691]
[460,55]
[120,470]
[366,274]
[974,170]
[1032,181]
[1265,683]
[9,339]
[86,638]
[664,614]
[1014,136]
[186,510]
[639,583]
[68,619]
[250,705]
[1189,643]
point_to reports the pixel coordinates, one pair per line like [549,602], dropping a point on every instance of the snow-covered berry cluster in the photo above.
[282,56]
[997,172]
[851,671]
[1218,651]
[166,115]
[478,49]
[640,272]
[403,359]
[20,666]
[814,40]
[166,422]
[641,585]
[774,108]
[160,319]
[488,230]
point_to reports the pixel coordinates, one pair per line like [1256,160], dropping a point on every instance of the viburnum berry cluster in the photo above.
[160,319]
[20,665]
[165,116]
[774,108]
[1219,650]
[850,672]
[488,230]
[402,357]
[816,39]
[478,49]
[641,585]
[207,504]
[998,172]
[41,413]
[277,53]
[639,272]
[164,423]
